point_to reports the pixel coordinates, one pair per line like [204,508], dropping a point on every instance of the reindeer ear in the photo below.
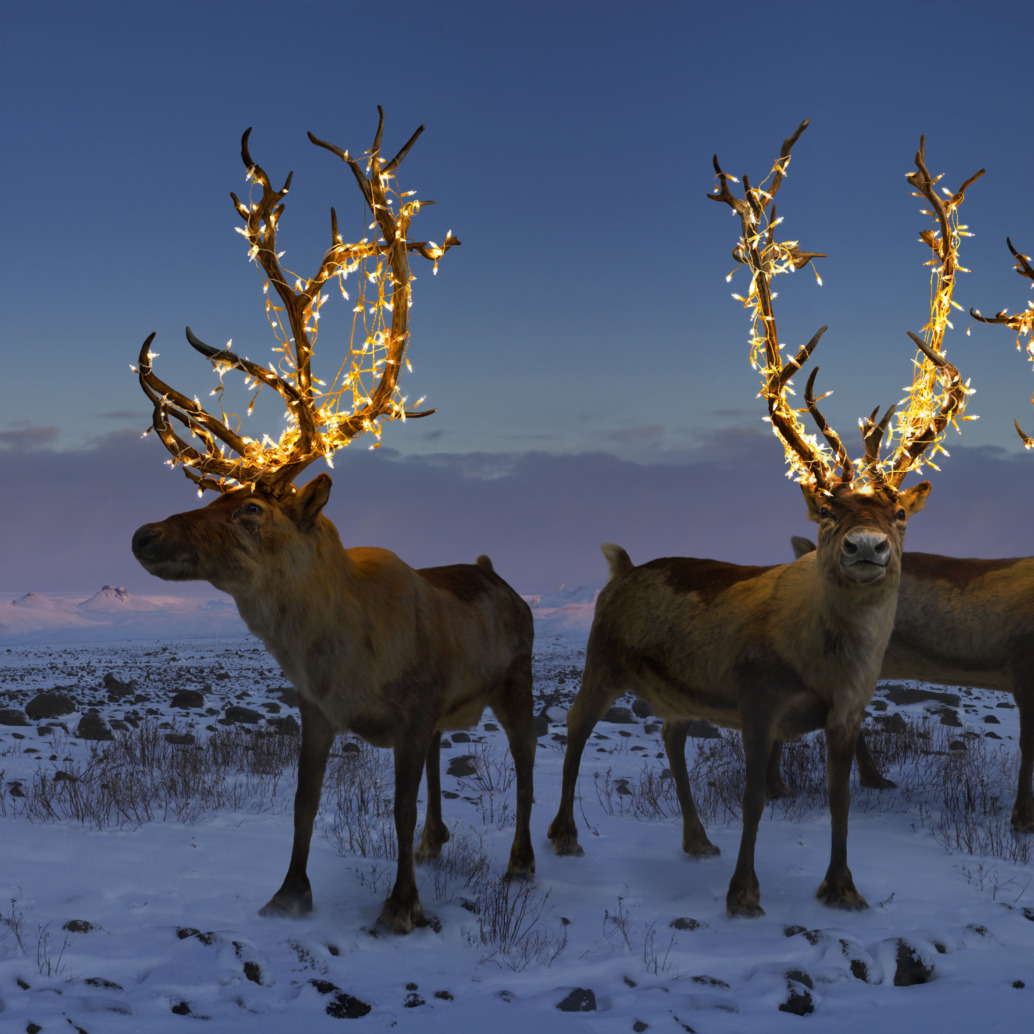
[815,498]
[311,500]
[914,498]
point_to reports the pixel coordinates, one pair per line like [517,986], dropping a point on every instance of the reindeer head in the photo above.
[245,538]
[859,505]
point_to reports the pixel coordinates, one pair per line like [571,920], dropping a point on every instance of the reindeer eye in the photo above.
[900,515]
[249,510]
[826,513]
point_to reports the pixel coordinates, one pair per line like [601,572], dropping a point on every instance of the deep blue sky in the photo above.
[569,146]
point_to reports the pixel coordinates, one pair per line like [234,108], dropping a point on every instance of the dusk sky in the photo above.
[587,362]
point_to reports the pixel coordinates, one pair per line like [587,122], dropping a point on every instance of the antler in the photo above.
[1022,322]
[938,395]
[368,379]
[765,258]
[921,424]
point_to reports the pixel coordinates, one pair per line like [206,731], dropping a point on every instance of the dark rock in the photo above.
[287,725]
[188,698]
[581,999]
[799,1001]
[180,739]
[462,766]
[641,709]
[619,716]
[79,926]
[639,1026]
[911,967]
[13,716]
[948,716]
[287,694]
[117,689]
[684,923]
[540,725]
[707,981]
[52,703]
[460,737]
[238,715]
[346,1007]
[101,982]
[894,723]
[93,727]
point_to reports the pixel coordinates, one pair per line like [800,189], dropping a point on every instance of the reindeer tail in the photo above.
[617,559]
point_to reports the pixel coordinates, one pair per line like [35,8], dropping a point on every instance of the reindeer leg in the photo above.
[694,836]
[744,895]
[514,711]
[1023,809]
[402,911]
[868,774]
[435,832]
[775,786]
[600,688]
[838,889]
[294,898]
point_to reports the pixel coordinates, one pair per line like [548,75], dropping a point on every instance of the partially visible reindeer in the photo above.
[964,622]
[773,651]
[374,647]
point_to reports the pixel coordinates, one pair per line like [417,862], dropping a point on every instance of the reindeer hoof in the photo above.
[566,847]
[703,849]
[743,908]
[287,906]
[564,837]
[842,895]
[401,919]
[876,782]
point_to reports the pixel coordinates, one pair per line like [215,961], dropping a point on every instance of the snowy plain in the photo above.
[150,923]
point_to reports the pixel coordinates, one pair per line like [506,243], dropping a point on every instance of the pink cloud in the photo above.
[67,518]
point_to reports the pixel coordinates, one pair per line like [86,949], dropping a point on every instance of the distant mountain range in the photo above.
[115,613]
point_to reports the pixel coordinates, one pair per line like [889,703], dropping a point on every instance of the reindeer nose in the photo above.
[144,538]
[866,547]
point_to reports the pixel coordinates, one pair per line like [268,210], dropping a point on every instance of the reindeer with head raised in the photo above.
[392,654]
[773,651]
[965,621]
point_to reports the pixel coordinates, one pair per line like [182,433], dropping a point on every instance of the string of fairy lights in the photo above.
[321,417]
[915,428]
[1022,322]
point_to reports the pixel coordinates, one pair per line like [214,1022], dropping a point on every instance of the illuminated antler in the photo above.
[320,418]
[765,257]
[937,396]
[1022,322]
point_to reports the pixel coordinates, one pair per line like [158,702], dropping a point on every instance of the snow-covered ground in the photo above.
[151,925]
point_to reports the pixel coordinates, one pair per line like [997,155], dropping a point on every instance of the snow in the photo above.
[174,934]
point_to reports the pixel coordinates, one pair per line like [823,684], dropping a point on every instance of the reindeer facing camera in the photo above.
[773,651]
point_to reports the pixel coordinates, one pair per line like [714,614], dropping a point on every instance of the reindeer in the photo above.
[773,651]
[964,621]
[392,654]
